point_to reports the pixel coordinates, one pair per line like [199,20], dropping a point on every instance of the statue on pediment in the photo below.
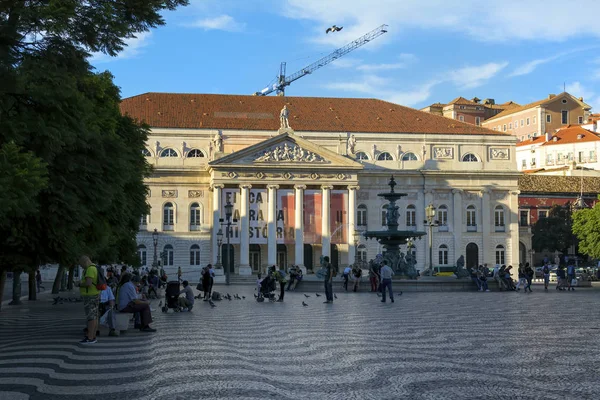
[283,118]
[351,144]
[218,142]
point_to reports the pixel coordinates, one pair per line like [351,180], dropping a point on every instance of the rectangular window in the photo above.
[542,214]
[500,256]
[383,217]
[510,125]
[443,217]
[443,257]
[524,163]
[548,118]
[524,218]
[534,120]
[570,156]
[461,107]
[144,220]
[592,156]
[564,115]
[461,118]
[580,120]
[527,121]
[411,218]
[499,218]
[504,128]
[471,218]
[549,159]
[581,157]
[361,217]
[522,122]
[477,121]
[533,162]
[142,256]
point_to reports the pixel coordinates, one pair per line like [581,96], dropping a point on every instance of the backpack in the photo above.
[546,269]
[101,280]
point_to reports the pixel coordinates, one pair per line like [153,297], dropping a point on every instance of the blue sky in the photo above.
[433,51]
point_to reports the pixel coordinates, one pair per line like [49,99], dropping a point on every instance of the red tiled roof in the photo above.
[513,110]
[570,135]
[462,101]
[537,139]
[218,111]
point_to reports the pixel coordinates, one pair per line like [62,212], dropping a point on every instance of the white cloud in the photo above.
[474,76]
[530,66]
[404,61]
[346,63]
[133,48]
[223,22]
[579,90]
[496,21]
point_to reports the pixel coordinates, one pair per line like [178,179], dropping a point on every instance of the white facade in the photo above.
[187,194]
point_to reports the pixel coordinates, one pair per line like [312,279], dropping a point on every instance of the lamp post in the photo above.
[227,222]
[356,236]
[219,243]
[531,254]
[155,243]
[431,222]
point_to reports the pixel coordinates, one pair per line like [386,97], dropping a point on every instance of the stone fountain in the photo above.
[392,238]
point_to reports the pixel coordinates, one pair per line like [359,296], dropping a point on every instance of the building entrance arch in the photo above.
[472,255]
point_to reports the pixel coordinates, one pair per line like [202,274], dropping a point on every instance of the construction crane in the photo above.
[284,81]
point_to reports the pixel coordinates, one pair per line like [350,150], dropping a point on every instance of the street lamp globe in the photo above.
[155,237]
[430,212]
[220,237]
[228,210]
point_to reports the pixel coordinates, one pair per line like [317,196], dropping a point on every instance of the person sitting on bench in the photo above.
[128,302]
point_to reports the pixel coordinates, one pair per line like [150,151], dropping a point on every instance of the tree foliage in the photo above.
[586,226]
[554,233]
[71,165]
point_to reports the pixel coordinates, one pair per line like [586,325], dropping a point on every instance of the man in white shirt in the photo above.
[346,275]
[386,281]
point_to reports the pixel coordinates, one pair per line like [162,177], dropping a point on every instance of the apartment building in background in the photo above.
[473,111]
[541,117]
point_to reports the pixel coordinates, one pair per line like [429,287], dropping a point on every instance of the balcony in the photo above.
[443,228]
[500,228]
[195,227]
[471,228]
[168,227]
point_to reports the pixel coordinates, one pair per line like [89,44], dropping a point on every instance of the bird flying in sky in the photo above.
[334,29]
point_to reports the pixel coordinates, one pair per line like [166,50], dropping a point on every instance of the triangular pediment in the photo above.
[286,150]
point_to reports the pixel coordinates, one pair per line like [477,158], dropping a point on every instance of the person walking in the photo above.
[522,278]
[279,276]
[528,276]
[546,274]
[373,277]
[482,275]
[328,282]
[179,273]
[90,295]
[38,281]
[386,281]
[356,274]
[205,278]
[474,277]
[571,276]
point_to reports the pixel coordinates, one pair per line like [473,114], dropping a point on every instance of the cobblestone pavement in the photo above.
[459,345]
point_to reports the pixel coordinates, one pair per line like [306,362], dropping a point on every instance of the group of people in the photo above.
[111,291]
[356,273]
[380,278]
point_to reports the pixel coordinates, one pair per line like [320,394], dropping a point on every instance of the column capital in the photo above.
[457,191]
[300,187]
[353,187]
[515,192]
[485,191]
[214,186]
[428,191]
[245,186]
[273,187]
[325,187]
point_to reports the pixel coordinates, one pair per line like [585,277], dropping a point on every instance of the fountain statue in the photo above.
[392,238]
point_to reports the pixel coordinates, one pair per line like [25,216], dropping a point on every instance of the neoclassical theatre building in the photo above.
[303,174]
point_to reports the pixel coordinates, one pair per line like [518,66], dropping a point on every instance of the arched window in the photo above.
[500,254]
[499,218]
[142,254]
[470,158]
[195,216]
[146,153]
[168,216]
[385,156]
[471,218]
[411,215]
[361,155]
[168,255]
[443,255]
[409,157]
[442,215]
[362,253]
[168,153]
[195,153]
[144,220]
[361,215]
[384,215]
[195,255]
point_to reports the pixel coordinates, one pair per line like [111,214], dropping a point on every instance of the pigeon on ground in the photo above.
[56,300]
[255,296]
[213,305]
[399,294]
[334,29]
[244,297]
[317,294]
[334,296]
[305,295]
[160,304]
[304,304]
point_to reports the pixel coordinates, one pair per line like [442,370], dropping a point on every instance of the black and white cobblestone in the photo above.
[425,346]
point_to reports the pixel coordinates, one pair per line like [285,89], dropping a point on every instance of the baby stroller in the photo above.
[266,289]
[171,297]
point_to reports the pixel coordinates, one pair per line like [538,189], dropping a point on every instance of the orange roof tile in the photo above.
[218,111]
[462,101]
[534,140]
[570,135]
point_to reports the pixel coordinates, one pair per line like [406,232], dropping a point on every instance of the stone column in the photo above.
[421,249]
[428,200]
[514,231]
[216,211]
[244,268]
[487,254]
[299,226]
[326,221]
[271,225]
[457,225]
[351,223]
